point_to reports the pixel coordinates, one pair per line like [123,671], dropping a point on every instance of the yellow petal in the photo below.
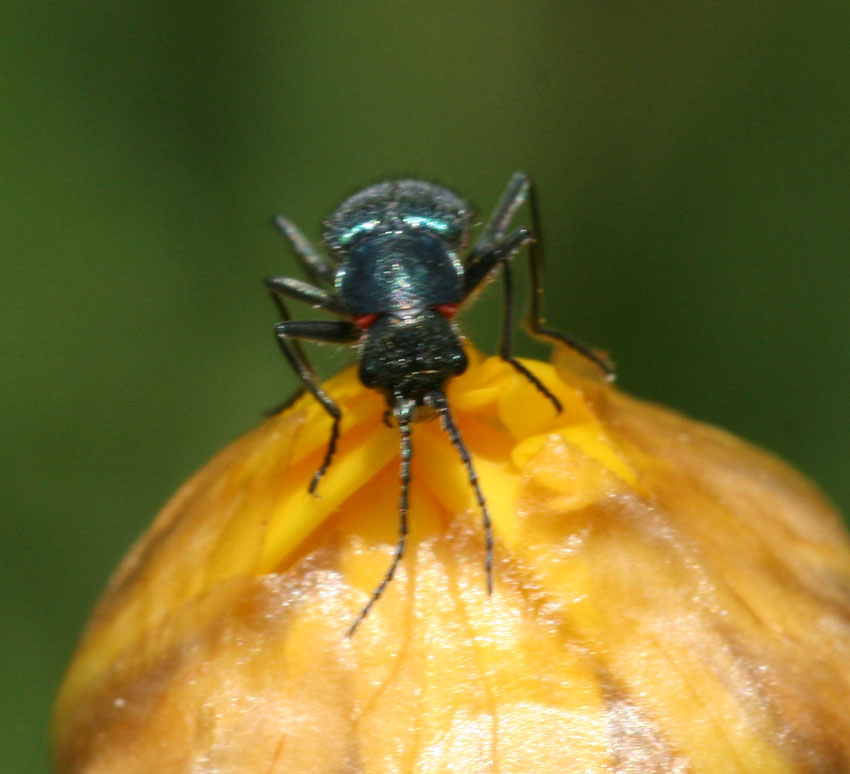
[667,599]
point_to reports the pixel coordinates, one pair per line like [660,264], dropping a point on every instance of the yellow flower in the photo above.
[666,599]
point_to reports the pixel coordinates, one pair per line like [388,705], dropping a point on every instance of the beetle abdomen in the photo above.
[396,206]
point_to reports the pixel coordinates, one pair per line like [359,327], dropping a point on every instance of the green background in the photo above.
[691,161]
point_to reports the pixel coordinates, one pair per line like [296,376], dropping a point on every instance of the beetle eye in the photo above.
[446,310]
[364,321]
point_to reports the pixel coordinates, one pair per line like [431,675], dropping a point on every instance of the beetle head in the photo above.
[408,355]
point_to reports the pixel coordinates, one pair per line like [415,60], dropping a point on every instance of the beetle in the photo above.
[396,271]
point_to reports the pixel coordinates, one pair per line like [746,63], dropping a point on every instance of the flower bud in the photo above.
[666,598]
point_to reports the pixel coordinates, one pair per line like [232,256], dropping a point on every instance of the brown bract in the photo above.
[667,599]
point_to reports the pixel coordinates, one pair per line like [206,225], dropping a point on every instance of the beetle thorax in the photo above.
[399,271]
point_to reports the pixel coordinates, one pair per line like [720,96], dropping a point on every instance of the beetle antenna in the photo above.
[439,402]
[404,414]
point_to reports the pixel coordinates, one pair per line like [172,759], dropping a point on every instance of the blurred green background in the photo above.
[692,165]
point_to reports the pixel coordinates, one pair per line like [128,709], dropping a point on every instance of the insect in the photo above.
[396,272]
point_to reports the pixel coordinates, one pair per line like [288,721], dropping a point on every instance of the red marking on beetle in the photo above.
[447,310]
[364,321]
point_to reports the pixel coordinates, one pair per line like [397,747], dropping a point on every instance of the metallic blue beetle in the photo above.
[397,271]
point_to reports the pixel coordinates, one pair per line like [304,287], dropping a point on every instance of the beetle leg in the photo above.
[315,330]
[512,199]
[493,248]
[481,265]
[308,294]
[319,331]
[506,338]
[316,265]
[534,318]
[478,269]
